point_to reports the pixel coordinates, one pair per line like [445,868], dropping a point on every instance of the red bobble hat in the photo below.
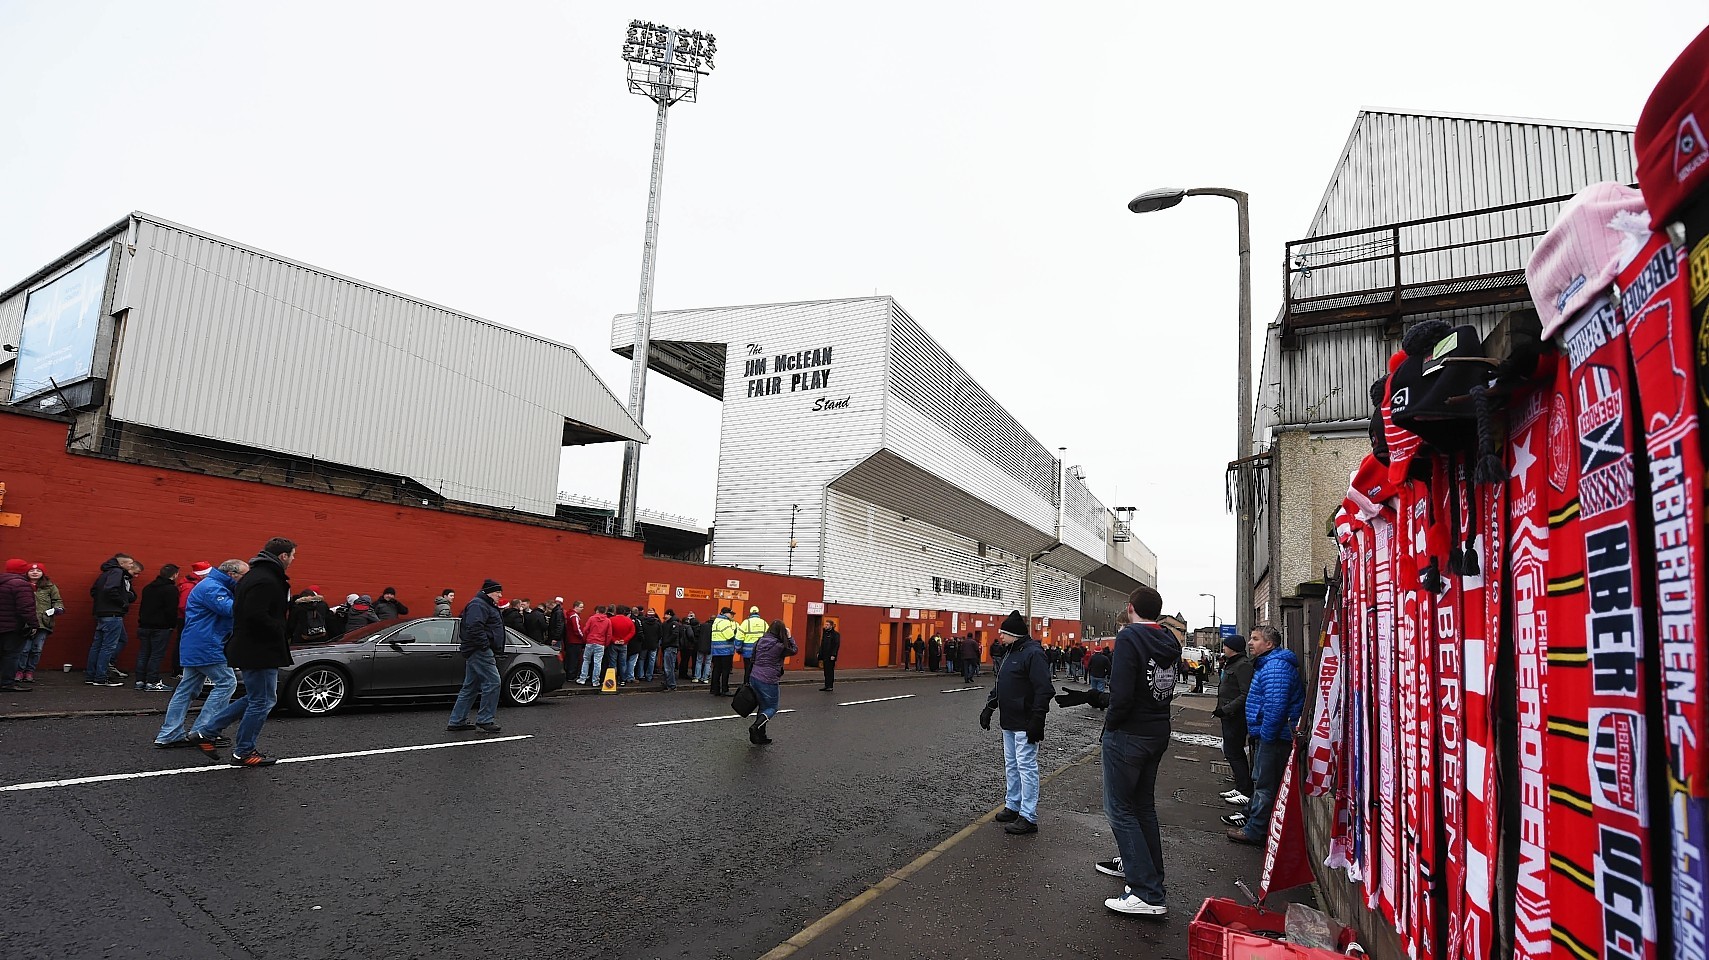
[200,568]
[17,566]
[1673,157]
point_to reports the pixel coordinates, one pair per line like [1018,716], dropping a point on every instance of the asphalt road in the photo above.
[592,837]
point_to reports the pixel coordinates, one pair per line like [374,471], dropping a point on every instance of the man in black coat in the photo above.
[482,634]
[1022,694]
[830,644]
[157,616]
[259,646]
[1231,707]
[534,623]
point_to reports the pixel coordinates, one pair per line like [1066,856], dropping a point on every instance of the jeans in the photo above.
[721,665]
[1099,684]
[109,637]
[178,708]
[1020,771]
[634,667]
[479,673]
[703,667]
[32,654]
[768,697]
[968,669]
[593,657]
[1234,751]
[1271,763]
[620,660]
[260,692]
[1130,803]
[151,644]
[669,669]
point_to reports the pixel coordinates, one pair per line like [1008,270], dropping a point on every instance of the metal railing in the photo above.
[1471,259]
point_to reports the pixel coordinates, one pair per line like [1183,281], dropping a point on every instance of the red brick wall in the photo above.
[77,511]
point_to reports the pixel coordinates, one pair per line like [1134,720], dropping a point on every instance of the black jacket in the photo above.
[1231,692]
[111,591]
[309,613]
[260,607]
[534,625]
[482,627]
[703,638]
[1023,689]
[512,618]
[651,630]
[1143,666]
[670,637]
[556,626]
[159,607]
[1099,665]
[390,609]
[830,642]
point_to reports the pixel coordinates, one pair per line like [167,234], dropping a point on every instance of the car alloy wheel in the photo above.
[524,685]
[319,691]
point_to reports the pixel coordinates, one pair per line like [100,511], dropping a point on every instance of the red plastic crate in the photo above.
[1210,937]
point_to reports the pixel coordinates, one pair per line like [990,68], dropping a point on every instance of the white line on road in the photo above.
[852,703]
[207,768]
[727,716]
[960,689]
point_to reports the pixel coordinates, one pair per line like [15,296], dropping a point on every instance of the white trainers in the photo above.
[1236,799]
[1130,904]
[1110,868]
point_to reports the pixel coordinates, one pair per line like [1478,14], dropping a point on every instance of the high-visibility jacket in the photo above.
[723,636]
[749,633]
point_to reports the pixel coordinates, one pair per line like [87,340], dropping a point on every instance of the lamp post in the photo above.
[665,65]
[1214,621]
[1150,202]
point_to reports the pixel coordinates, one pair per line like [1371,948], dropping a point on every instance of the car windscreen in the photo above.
[367,631]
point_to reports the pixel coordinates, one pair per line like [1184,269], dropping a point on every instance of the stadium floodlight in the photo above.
[665,66]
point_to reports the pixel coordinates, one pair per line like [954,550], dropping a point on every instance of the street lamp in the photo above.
[1150,202]
[1213,607]
[665,66]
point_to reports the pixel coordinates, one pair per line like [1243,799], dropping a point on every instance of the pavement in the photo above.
[615,826]
[58,695]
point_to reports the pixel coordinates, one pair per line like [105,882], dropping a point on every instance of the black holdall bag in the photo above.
[746,700]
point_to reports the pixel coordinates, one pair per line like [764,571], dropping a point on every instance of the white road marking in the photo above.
[209,767]
[852,703]
[728,716]
[960,689]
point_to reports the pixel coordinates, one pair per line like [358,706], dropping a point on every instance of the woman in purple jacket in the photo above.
[769,653]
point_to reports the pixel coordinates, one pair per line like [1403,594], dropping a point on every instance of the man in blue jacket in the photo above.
[1273,706]
[201,654]
[482,635]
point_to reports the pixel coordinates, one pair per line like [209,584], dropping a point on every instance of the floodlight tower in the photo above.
[665,65]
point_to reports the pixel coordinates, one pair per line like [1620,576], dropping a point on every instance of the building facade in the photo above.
[856,450]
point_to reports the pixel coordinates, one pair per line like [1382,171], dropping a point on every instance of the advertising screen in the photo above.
[60,323]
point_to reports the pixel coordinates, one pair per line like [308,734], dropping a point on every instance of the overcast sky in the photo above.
[970,159]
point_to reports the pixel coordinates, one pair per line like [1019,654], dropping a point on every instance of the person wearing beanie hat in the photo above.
[1021,697]
[1144,666]
[49,605]
[17,621]
[389,607]
[482,631]
[1231,708]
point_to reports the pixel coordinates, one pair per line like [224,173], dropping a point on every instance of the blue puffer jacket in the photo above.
[1277,697]
[207,622]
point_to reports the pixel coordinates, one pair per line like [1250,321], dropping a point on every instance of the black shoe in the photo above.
[180,742]
[489,728]
[251,759]
[1021,826]
[824,689]
[208,745]
[1006,815]
[458,727]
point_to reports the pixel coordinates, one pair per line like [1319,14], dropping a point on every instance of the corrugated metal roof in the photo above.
[231,343]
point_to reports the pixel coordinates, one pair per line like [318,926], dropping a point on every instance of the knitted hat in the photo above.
[388,590]
[1599,232]
[200,568]
[1673,158]
[1015,625]
[314,590]
[1237,643]
[489,585]
[364,598]
[17,566]
[352,598]
[37,566]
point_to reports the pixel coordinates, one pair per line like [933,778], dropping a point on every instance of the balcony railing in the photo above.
[1450,262]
